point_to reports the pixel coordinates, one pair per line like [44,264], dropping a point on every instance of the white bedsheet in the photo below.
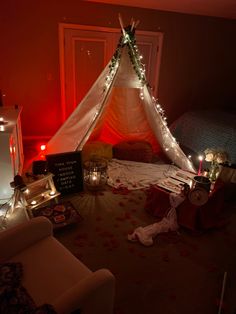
[136,175]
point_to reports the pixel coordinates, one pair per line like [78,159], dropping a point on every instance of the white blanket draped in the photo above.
[137,175]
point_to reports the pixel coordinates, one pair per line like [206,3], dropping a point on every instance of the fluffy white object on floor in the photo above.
[145,235]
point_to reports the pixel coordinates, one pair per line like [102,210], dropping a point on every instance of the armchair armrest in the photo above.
[18,238]
[93,294]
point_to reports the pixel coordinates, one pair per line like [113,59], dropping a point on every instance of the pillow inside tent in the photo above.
[96,149]
[140,151]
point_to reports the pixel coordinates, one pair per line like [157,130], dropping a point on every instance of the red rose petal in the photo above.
[127,215]
[121,204]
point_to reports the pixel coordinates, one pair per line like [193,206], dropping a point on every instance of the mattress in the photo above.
[198,130]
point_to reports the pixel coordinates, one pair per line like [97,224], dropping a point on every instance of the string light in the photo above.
[128,40]
[42,147]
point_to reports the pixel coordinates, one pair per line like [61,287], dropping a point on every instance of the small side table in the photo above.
[191,217]
[157,202]
[207,216]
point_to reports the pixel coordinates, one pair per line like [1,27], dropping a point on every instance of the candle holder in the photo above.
[95,173]
[202,182]
[39,191]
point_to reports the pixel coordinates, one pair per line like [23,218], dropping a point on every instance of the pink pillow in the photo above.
[140,151]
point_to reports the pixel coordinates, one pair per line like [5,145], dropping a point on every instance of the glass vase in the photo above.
[214,171]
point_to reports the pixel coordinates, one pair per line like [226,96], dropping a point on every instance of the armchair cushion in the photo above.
[52,274]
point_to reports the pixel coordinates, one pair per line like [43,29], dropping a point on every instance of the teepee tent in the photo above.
[119,106]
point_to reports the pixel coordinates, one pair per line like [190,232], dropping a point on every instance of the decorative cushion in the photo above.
[98,149]
[14,298]
[140,151]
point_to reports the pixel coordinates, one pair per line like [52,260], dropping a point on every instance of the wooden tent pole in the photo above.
[136,23]
[121,24]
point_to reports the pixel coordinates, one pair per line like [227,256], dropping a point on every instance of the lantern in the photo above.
[95,173]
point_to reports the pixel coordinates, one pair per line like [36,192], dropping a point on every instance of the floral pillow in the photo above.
[14,298]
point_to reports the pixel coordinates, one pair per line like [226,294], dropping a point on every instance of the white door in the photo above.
[84,52]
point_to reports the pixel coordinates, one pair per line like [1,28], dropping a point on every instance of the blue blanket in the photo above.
[198,130]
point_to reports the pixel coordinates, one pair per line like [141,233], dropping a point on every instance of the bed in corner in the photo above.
[198,130]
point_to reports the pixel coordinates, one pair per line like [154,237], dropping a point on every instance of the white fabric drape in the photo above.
[145,235]
[100,116]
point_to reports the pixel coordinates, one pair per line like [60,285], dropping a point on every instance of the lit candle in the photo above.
[200,165]
[94,178]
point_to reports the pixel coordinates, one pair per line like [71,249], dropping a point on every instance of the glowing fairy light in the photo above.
[141,93]
[43,147]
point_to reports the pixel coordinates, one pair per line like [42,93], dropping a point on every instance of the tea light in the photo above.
[95,173]
[94,178]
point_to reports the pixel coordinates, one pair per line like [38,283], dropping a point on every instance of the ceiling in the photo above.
[217,8]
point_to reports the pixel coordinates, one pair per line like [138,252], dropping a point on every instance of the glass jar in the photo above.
[95,173]
[214,172]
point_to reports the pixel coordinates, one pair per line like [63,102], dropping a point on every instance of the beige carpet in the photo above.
[181,273]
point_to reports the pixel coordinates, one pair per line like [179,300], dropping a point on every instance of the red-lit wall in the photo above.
[198,68]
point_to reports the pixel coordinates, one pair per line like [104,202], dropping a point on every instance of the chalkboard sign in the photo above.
[67,170]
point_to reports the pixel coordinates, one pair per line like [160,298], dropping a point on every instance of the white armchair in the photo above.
[52,274]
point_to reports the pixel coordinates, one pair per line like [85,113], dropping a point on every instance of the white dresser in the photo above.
[11,149]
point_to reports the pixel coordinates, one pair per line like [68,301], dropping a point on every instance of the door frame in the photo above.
[62,29]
